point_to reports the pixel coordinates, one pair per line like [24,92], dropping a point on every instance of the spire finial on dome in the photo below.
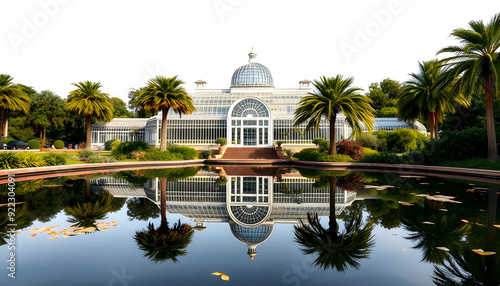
[251,56]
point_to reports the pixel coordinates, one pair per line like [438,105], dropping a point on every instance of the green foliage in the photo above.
[120,108]
[95,158]
[350,148]
[221,181]
[474,163]
[34,144]
[125,149]
[369,151]
[6,140]
[86,154]
[54,159]
[324,145]
[383,157]
[205,154]
[221,141]
[46,110]
[59,144]
[30,159]
[173,153]
[279,143]
[457,145]
[388,111]
[142,209]
[107,144]
[10,160]
[313,154]
[289,152]
[115,144]
[371,141]
[402,140]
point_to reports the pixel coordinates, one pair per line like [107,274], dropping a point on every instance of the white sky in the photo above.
[49,44]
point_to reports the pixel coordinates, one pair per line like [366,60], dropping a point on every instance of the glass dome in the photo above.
[252,74]
[251,235]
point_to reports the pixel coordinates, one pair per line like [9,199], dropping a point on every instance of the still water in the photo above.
[249,226]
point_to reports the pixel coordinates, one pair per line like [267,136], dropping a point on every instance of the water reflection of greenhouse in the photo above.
[250,204]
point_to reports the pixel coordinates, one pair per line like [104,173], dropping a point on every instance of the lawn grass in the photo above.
[474,163]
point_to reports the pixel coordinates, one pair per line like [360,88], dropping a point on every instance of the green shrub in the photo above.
[402,140]
[350,148]
[371,141]
[221,181]
[313,154]
[369,151]
[221,141]
[115,144]
[34,144]
[86,154]
[107,144]
[59,144]
[279,143]
[457,145]
[186,153]
[161,156]
[54,159]
[95,158]
[9,160]
[205,154]
[30,159]
[289,152]
[475,163]
[383,157]
[6,140]
[125,149]
[324,145]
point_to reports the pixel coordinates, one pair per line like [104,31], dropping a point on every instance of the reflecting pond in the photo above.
[216,225]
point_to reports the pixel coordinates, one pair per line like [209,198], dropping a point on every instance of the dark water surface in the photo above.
[178,226]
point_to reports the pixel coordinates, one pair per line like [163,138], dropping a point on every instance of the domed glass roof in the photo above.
[251,235]
[252,74]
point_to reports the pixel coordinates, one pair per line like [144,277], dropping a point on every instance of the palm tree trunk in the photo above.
[432,125]
[4,123]
[163,142]
[163,200]
[490,121]
[44,134]
[333,144]
[89,134]
[332,224]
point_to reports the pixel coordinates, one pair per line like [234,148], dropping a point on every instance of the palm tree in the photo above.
[12,98]
[426,96]
[88,99]
[333,96]
[165,94]
[476,64]
[86,213]
[165,242]
[334,249]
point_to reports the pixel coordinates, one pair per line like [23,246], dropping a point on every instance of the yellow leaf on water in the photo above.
[443,210]
[52,233]
[53,237]
[497,225]
[218,273]
[482,252]
[19,232]
[404,249]
[464,220]
[33,235]
[224,277]
[428,222]
[442,248]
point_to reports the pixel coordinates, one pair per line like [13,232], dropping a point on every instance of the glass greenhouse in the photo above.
[252,112]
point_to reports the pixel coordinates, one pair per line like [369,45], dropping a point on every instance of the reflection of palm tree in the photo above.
[21,219]
[334,249]
[87,213]
[447,231]
[165,242]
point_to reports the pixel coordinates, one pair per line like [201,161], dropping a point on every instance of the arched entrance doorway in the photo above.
[249,124]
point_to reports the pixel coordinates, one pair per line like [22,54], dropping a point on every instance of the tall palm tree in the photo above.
[334,249]
[476,64]
[426,96]
[12,98]
[165,94]
[335,95]
[90,101]
[165,242]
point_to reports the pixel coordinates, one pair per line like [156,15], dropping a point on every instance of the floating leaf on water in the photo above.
[481,210]
[404,249]
[443,210]
[64,236]
[405,204]
[115,222]
[442,248]
[19,232]
[218,273]
[34,229]
[424,183]
[482,252]
[52,233]
[33,235]
[464,220]
[224,277]
[54,226]
[53,237]
[497,225]
[394,234]
[480,224]
[428,222]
